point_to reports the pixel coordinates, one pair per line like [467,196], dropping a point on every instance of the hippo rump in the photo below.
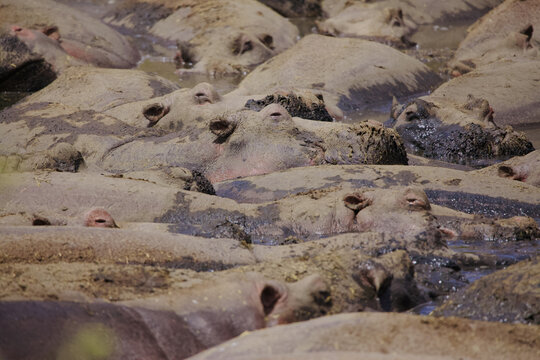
[462,133]
[521,168]
[366,336]
[373,72]
[247,143]
[510,295]
[506,32]
[77,34]
[214,37]
[202,317]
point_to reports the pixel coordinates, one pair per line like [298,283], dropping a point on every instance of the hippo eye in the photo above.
[101,221]
[269,297]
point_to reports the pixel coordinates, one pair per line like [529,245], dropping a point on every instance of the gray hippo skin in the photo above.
[463,133]
[247,143]
[383,337]
[373,72]
[213,37]
[510,295]
[507,32]
[79,35]
[158,327]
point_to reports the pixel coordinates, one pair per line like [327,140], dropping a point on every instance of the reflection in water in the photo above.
[88,342]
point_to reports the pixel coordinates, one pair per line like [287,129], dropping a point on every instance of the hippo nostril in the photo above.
[268,41]
[222,128]
[269,297]
[276,114]
[356,202]
[201,98]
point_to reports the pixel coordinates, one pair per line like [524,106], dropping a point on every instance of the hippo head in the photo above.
[459,133]
[303,300]
[183,107]
[401,213]
[253,143]
[226,52]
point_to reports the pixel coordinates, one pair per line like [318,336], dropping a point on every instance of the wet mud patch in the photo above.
[245,191]
[295,105]
[364,98]
[482,204]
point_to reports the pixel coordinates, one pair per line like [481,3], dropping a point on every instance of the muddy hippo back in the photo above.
[353,72]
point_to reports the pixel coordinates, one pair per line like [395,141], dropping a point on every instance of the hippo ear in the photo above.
[269,298]
[154,112]
[52,32]
[356,201]
[222,128]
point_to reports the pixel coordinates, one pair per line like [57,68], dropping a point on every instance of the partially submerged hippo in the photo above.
[202,317]
[371,21]
[510,86]
[506,32]
[79,35]
[452,188]
[521,168]
[350,73]
[61,157]
[460,133]
[510,295]
[247,143]
[214,37]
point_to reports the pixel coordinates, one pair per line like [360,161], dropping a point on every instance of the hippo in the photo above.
[366,336]
[506,32]
[231,145]
[213,37]
[509,295]
[374,71]
[21,69]
[151,327]
[521,168]
[75,119]
[366,271]
[422,12]
[61,157]
[371,21]
[464,133]
[514,101]
[452,188]
[79,35]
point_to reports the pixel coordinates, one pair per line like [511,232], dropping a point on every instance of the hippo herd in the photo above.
[351,175]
